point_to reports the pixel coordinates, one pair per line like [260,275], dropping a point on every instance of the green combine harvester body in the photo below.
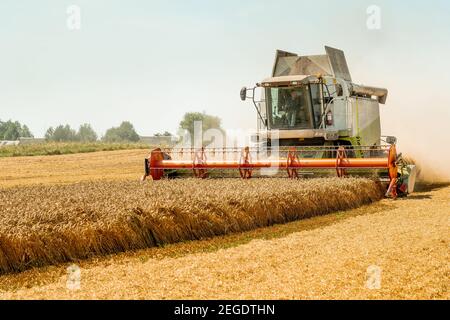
[311,119]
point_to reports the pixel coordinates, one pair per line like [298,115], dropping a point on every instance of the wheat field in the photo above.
[72,168]
[42,225]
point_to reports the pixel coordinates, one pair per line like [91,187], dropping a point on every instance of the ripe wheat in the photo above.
[42,225]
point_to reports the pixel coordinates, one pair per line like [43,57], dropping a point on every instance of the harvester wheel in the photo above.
[393,172]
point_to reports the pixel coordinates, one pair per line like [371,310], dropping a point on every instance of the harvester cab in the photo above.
[311,118]
[312,101]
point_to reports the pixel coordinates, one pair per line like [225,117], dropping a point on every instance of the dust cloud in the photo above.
[421,124]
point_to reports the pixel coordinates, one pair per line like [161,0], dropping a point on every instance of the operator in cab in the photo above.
[294,107]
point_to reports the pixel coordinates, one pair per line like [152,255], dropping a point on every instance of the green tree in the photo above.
[123,133]
[164,134]
[61,134]
[49,134]
[13,130]
[25,132]
[208,122]
[86,133]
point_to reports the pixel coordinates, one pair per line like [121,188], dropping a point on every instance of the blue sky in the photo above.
[149,62]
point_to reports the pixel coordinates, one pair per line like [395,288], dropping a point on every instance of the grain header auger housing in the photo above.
[311,117]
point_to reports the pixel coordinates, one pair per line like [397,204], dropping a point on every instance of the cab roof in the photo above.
[283,81]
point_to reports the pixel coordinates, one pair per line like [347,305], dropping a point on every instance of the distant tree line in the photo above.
[164,134]
[13,130]
[125,132]
[64,133]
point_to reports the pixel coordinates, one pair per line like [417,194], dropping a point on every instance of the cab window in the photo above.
[289,108]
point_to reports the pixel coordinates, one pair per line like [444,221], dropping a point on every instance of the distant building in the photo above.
[31,140]
[159,140]
[4,143]
[21,141]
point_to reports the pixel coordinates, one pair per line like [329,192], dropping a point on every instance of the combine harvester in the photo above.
[311,117]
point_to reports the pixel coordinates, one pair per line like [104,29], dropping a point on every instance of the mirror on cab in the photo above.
[243,93]
[391,140]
